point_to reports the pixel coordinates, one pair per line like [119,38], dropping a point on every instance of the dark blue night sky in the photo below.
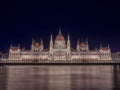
[20,21]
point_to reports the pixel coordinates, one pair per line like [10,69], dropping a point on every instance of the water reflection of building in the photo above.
[3,77]
[59,78]
[28,78]
[116,77]
[59,50]
[91,78]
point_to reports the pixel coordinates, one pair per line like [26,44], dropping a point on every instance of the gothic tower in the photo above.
[78,45]
[68,48]
[68,44]
[51,45]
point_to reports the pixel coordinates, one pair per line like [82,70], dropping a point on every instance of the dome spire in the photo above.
[60,36]
[59,31]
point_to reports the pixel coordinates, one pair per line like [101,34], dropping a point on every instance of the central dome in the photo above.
[60,37]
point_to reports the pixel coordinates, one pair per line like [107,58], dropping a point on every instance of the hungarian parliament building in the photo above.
[60,49]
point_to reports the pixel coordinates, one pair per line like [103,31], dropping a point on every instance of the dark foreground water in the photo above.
[59,78]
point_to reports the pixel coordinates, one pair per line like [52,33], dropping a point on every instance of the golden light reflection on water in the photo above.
[60,78]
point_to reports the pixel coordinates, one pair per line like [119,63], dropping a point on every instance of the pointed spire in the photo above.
[87,45]
[11,46]
[86,41]
[96,48]
[23,48]
[59,31]
[68,41]
[108,45]
[51,40]
[18,46]
[41,41]
[33,40]
[42,46]
[51,37]
[78,42]
[100,45]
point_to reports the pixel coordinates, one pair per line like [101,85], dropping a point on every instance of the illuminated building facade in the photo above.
[59,50]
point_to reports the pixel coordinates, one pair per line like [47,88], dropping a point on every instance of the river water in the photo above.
[84,77]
